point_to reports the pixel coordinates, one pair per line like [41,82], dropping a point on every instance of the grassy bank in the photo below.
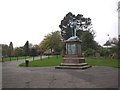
[54,61]
[51,61]
[101,61]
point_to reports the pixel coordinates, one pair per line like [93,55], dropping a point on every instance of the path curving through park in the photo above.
[14,76]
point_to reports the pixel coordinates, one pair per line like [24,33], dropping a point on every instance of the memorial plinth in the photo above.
[73,57]
[73,51]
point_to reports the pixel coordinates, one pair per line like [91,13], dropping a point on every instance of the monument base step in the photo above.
[73,66]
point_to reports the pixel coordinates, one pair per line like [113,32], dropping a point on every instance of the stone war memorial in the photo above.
[73,58]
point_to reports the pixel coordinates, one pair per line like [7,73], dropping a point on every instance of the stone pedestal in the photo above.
[73,51]
[72,58]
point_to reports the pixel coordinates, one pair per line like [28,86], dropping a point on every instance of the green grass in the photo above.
[101,61]
[14,58]
[54,61]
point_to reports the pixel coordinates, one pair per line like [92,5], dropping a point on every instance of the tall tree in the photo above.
[26,48]
[11,49]
[37,47]
[33,51]
[115,47]
[4,50]
[87,40]
[19,51]
[52,41]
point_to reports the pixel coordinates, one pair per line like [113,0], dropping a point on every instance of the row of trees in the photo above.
[26,50]
[54,43]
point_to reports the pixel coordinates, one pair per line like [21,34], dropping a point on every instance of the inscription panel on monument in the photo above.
[71,49]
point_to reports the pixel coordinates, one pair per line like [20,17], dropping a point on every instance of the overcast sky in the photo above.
[22,20]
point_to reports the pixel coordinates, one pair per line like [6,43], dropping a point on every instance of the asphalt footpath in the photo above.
[14,76]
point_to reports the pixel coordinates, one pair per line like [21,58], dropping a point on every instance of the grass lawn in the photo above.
[101,61]
[54,61]
[14,58]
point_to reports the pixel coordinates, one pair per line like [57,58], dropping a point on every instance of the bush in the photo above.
[89,52]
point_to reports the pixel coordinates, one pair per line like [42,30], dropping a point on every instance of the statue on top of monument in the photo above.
[75,25]
[71,25]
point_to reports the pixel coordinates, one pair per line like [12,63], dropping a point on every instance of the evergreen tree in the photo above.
[26,48]
[10,49]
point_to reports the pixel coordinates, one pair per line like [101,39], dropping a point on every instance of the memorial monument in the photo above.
[73,58]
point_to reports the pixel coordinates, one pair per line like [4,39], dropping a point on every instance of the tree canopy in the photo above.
[52,41]
[10,49]
[26,48]
[4,48]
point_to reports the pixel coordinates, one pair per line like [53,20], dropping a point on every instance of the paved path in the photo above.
[49,77]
